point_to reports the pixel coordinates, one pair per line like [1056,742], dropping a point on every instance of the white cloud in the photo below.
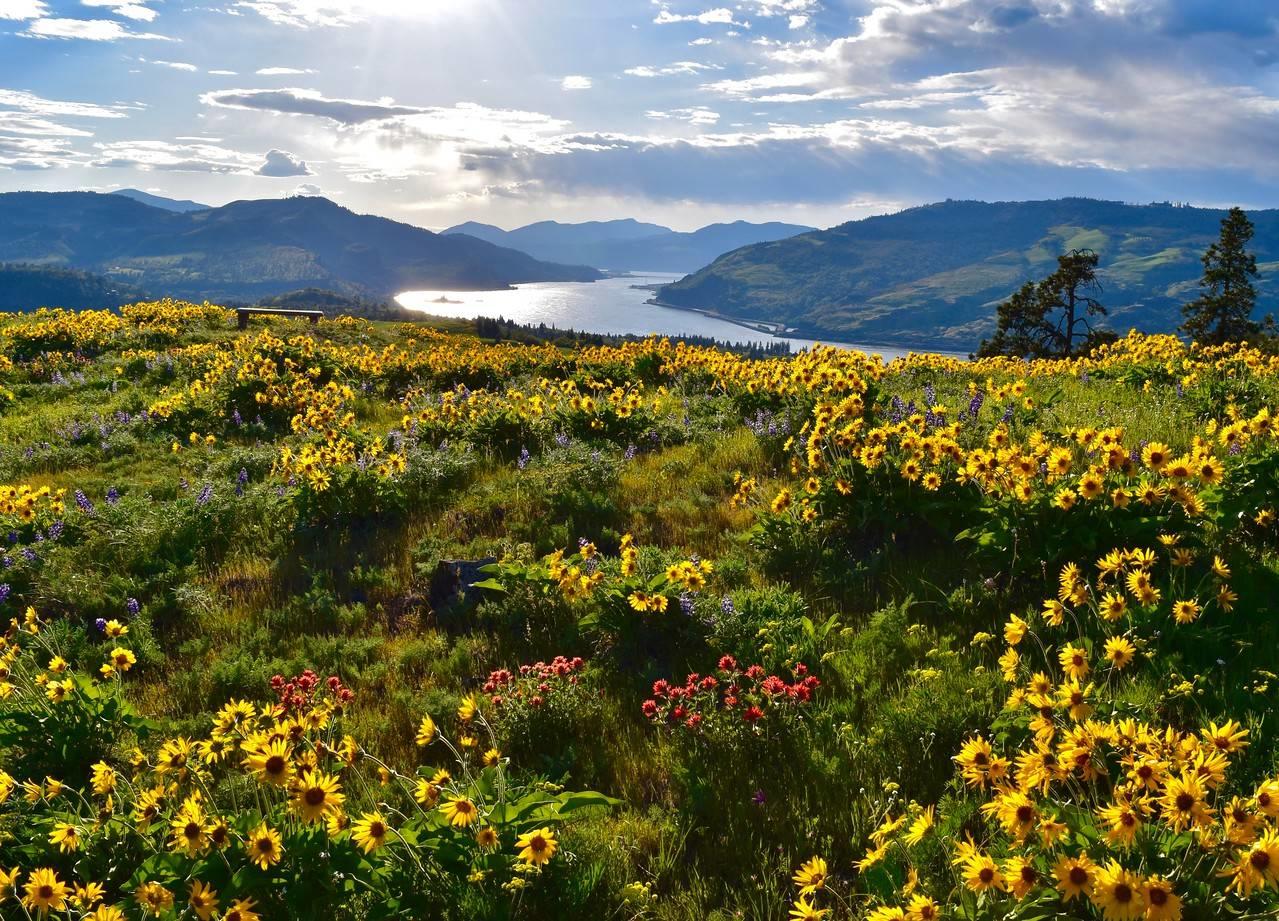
[798,21]
[305,190]
[697,115]
[698,42]
[93,30]
[576,82]
[283,72]
[130,9]
[679,67]
[167,156]
[177,65]
[224,73]
[719,16]
[281,163]
[305,14]
[22,9]
[29,102]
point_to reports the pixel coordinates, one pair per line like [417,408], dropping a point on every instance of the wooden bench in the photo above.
[242,314]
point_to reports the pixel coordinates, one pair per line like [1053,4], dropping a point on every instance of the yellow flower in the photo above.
[316,795]
[271,763]
[1162,904]
[203,901]
[467,709]
[1075,876]
[921,826]
[804,910]
[66,837]
[537,847]
[1120,651]
[44,891]
[122,659]
[981,873]
[460,811]
[1118,893]
[811,876]
[153,899]
[264,846]
[426,731]
[371,832]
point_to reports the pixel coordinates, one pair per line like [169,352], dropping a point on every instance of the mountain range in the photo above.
[159,201]
[933,275]
[253,249]
[629,245]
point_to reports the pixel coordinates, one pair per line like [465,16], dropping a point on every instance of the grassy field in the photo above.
[814,637]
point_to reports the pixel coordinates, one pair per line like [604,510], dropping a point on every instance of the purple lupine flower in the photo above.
[55,530]
[6,562]
[205,494]
[132,606]
[562,440]
[523,459]
[240,481]
[1083,377]
[4,591]
[183,484]
[930,395]
[975,404]
[686,604]
[113,496]
[1008,414]
[236,417]
[29,555]
[726,606]
[100,624]
[83,501]
[898,411]
[629,453]
[1236,447]
[1180,391]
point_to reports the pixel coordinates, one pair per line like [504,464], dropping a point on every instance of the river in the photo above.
[612,305]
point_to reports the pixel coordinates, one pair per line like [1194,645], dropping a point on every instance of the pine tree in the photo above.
[1223,312]
[1051,319]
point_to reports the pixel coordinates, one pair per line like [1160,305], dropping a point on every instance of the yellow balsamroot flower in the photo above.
[153,899]
[1119,893]
[811,875]
[122,659]
[1075,876]
[537,847]
[1155,455]
[45,892]
[1015,630]
[1183,802]
[316,795]
[460,811]
[88,895]
[242,910]
[66,836]
[371,831]
[264,846]
[467,709]
[804,910]
[491,757]
[982,874]
[1120,652]
[920,827]
[1162,904]
[173,755]
[203,900]
[271,763]
[1074,661]
[1229,737]
[425,731]
[486,837]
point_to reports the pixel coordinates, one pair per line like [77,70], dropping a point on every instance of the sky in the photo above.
[681,112]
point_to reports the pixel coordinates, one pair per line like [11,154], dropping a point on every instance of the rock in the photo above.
[452,579]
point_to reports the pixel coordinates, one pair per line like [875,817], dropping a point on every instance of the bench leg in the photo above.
[242,321]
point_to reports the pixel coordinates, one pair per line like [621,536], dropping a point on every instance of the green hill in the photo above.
[251,249]
[24,286]
[933,274]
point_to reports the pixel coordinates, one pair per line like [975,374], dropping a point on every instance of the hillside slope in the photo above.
[933,274]
[250,249]
[629,245]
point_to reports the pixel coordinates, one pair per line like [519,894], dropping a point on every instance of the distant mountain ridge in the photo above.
[252,249]
[159,201]
[932,275]
[629,245]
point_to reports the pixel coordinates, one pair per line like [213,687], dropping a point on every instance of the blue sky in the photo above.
[677,111]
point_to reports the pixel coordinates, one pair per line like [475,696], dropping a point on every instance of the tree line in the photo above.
[1059,316]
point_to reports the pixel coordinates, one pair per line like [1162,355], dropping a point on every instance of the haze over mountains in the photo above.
[629,245]
[250,249]
[933,275]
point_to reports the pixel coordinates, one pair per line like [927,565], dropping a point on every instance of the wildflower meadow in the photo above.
[369,620]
